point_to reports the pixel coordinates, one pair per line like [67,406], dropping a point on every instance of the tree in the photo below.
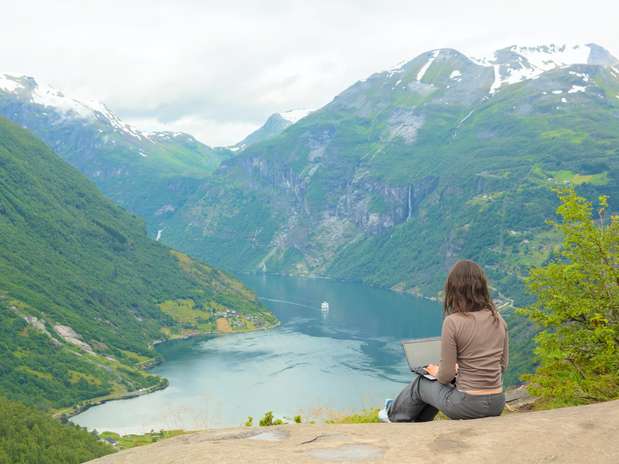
[577,307]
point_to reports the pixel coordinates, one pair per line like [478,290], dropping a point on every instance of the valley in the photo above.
[315,364]
[150,267]
[443,157]
[84,293]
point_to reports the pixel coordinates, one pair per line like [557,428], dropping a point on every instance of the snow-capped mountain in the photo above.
[65,107]
[515,64]
[131,166]
[403,172]
[507,66]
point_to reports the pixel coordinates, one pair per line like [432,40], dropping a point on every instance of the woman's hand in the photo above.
[432,369]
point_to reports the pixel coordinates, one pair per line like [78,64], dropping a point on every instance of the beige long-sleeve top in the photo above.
[480,346]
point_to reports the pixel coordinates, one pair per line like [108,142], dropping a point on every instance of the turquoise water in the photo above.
[314,364]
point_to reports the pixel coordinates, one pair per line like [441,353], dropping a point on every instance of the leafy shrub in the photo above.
[577,307]
[267,420]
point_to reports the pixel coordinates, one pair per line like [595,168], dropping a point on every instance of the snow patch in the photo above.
[45,95]
[553,56]
[295,115]
[483,61]
[557,92]
[577,88]
[563,100]
[583,76]
[531,62]
[9,83]
[427,65]
[65,106]
[158,237]
[497,79]
[455,74]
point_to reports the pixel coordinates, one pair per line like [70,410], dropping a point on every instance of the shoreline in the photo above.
[213,334]
[77,409]
[147,365]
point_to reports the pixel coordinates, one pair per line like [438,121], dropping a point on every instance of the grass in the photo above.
[369,416]
[572,136]
[366,416]
[184,311]
[574,178]
[133,440]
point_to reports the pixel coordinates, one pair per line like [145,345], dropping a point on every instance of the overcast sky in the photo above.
[218,69]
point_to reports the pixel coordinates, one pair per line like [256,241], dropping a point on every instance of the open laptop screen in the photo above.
[422,352]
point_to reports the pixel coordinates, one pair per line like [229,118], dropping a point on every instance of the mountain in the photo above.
[148,173]
[403,173]
[84,294]
[274,125]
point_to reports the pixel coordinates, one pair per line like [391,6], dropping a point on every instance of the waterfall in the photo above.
[410,202]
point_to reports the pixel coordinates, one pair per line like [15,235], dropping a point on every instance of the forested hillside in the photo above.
[443,158]
[30,436]
[83,292]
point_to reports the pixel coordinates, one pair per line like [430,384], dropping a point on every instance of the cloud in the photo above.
[221,68]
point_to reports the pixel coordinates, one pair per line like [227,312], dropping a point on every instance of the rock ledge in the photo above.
[569,435]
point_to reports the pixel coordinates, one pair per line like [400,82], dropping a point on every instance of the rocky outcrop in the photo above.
[71,336]
[376,207]
[569,435]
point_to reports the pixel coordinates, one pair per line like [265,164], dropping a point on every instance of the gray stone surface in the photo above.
[569,435]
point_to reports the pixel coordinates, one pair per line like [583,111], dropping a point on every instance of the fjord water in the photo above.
[314,364]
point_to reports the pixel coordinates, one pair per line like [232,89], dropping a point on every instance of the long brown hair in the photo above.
[466,290]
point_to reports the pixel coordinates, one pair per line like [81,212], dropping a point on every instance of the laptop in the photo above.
[421,352]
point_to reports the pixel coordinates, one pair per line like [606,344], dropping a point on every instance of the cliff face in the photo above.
[411,169]
[372,206]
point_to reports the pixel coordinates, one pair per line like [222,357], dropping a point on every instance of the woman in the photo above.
[474,345]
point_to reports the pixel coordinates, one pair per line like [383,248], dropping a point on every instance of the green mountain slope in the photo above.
[413,168]
[83,292]
[273,126]
[32,437]
[148,173]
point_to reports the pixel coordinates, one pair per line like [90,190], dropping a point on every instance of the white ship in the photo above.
[324,307]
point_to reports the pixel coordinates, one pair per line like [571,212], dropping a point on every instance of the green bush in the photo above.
[577,307]
[267,420]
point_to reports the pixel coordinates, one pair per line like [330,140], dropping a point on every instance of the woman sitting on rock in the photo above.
[474,345]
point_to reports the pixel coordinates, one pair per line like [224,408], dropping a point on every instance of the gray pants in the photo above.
[421,400]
